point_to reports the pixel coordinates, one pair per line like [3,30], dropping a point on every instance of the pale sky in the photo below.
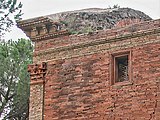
[36,8]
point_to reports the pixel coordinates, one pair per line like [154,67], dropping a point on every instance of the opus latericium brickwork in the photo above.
[79,76]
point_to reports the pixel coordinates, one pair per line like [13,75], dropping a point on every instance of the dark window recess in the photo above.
[121,68]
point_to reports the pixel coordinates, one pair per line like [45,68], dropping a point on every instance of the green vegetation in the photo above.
[14,58]
[9,13]
[14,78]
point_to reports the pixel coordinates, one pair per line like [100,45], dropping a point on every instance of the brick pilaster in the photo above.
[37,76]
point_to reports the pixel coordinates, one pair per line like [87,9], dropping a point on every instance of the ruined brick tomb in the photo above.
[111,74]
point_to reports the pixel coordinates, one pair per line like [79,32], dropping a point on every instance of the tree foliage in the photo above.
[10,11]
[14,78]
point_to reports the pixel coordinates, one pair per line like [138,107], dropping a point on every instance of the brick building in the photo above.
[104,75]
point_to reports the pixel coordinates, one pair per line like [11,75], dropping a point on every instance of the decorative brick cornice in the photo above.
[98,42]
[78,50]
[49,36]
[32,22]
[41,28]
[37,72]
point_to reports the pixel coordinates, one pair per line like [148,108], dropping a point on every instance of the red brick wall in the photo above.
[79,88]
[78,77]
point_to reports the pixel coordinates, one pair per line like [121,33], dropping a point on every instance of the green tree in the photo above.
[14,78]
[10,11]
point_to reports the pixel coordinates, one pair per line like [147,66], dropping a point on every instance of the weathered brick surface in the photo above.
[107,34]
[36,102]
[78,77]
[79,88]
[37,75]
